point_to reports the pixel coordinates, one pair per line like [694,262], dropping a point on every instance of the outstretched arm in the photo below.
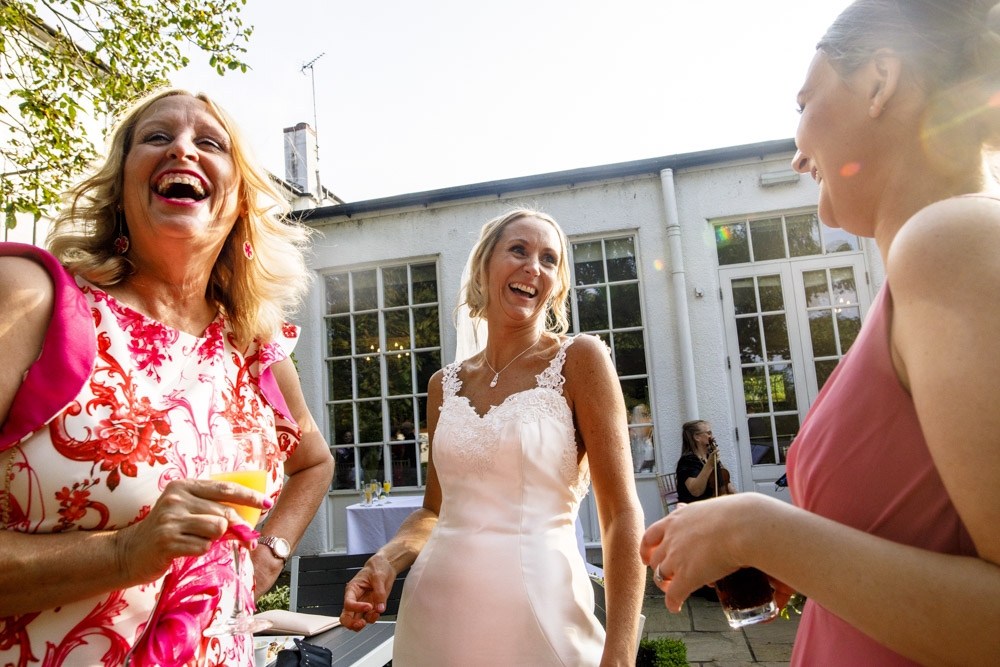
[366,593]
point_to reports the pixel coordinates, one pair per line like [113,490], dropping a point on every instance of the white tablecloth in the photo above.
[368,528]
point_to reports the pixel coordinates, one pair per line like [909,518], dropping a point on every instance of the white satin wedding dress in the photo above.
[501,580]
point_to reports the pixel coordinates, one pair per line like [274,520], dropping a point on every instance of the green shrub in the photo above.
[662,652]
[795,604]
[278,597]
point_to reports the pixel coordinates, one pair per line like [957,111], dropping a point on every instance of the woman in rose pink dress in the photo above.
[894,535]
[156,324]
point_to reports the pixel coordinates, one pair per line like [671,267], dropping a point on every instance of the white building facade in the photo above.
[721,295]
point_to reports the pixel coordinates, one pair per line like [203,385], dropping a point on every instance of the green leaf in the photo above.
[58,83]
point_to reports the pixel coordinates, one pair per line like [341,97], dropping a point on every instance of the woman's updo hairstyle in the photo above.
[951,47]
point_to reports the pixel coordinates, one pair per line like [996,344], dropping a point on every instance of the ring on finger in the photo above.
[657,577]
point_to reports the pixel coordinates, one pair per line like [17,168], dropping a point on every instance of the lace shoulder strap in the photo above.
[450,384]
[552,377]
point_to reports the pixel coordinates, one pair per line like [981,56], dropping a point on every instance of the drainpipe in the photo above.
[680,295]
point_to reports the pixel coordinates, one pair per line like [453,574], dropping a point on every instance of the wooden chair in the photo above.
[668,490]
[318,583]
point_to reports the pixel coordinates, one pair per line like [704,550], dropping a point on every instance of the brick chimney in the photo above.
[301,161]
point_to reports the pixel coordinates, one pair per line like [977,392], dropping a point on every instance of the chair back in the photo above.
[668,490]
[318,583]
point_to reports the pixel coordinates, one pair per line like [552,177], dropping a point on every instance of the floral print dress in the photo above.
[142,414]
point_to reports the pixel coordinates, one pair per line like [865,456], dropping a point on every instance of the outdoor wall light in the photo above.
[779,177]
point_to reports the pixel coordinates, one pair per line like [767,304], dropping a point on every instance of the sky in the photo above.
[414,95]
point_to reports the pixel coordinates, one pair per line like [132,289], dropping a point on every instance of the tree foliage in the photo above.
[66,63]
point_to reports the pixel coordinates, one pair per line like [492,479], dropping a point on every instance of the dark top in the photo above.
[689,466]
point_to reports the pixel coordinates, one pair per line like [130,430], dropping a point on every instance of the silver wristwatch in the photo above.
[278,545]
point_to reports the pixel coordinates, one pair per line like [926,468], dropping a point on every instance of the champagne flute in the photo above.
[386,487]
[239,457]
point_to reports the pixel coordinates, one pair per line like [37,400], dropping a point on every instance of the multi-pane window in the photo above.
[795,310]
[834,313]
[605,301]
[383,343]
[779,237]
[766,364]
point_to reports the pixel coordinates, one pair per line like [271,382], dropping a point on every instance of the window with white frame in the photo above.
[605,302]
[383,343]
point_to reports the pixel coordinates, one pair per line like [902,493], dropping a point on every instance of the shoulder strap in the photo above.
[450,384]
[67,357]
[552,377]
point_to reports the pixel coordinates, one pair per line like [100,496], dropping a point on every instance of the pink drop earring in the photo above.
[121,239]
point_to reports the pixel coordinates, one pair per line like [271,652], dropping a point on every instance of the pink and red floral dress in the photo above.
[116,407]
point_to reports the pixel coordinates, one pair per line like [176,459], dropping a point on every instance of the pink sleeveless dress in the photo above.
[117,406]
[861,460]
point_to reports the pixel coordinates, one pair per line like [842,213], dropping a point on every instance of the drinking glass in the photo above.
[746,597]
[386,488]
[240,458]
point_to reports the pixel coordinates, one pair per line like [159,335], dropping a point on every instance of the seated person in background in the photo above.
[700,474]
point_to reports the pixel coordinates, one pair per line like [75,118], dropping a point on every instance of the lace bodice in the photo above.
[544,401]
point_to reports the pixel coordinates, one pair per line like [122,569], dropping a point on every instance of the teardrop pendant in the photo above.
[496,378]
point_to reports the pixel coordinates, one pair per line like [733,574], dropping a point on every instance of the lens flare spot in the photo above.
[723,234]
[658,264]
[994,100]
[850,169]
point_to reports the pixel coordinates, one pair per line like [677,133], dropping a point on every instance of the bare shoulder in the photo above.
[434,386]
[587,348]
[588,363]
[27,293]
[947,243]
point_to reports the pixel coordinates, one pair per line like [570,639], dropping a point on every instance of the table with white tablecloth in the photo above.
[370,527]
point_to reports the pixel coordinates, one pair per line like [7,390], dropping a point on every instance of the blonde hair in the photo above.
[474,292]
[256,296]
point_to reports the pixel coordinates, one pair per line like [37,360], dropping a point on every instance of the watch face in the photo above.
[281,547]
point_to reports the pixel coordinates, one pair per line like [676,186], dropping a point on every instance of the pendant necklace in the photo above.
[496,373]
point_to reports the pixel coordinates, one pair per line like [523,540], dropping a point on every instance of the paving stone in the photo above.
[772,641]
[714,647]
[710,641]
[660,619]
[708,617]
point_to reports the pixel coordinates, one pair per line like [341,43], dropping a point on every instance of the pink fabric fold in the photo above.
[67,357]
[187,603]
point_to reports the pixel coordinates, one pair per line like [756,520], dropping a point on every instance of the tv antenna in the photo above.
[312,73]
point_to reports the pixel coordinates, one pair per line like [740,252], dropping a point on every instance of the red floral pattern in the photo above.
[154,399]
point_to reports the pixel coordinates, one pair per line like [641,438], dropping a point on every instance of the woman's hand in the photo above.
[699,543]
[187,518]
[366,593]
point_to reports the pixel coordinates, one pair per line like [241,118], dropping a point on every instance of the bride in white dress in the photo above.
[517,432]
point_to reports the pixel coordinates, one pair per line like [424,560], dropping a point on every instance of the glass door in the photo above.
[787,325]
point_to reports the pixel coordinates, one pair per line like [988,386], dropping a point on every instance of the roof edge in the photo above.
[555,178]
